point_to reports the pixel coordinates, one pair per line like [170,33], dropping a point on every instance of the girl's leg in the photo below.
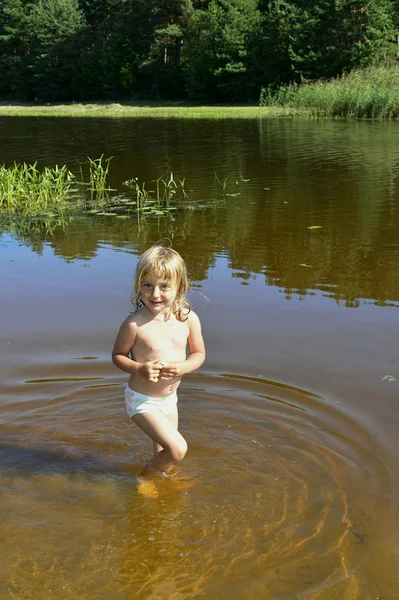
[174,418]
[163,431]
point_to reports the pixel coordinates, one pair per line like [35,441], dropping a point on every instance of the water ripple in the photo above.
[281,495]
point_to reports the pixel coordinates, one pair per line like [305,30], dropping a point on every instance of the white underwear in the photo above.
[137,404]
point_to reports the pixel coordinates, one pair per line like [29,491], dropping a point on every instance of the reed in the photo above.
[371,93]
[26,190]
[98,176]
[167,195]
[227,187]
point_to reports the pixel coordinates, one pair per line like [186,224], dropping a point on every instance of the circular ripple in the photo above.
[282,495]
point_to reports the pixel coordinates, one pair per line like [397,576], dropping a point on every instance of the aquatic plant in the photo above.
[98,169]
[228,187]
[24,189]
[167,195]
[27,191]
[98,173]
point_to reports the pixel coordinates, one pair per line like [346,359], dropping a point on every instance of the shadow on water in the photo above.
[19,460]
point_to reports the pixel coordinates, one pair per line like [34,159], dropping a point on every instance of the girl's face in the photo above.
[157,293]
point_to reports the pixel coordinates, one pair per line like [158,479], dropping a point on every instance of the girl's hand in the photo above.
[172,370]
[151,370]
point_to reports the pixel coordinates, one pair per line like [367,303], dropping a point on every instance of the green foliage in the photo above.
[167,195]
[52,28]
[285,95]
[160,73]
[13,48]
[38,50]
[212,50]
[114,44]
[272,45]
[332,36]
[27,191]
[367,93]
[302,41]
[216,41]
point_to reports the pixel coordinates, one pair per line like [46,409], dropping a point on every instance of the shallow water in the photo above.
[290,486]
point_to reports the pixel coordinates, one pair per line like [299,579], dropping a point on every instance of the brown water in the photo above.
[290,486]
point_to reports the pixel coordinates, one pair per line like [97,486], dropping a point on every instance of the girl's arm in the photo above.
[123,344]
[196,344]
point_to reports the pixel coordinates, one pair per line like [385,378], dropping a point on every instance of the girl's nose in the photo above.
[156,291]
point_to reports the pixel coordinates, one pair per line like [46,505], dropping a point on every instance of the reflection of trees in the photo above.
[334,259]
[267,237]
[340,176]
[75,242]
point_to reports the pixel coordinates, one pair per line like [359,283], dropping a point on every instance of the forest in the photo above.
[214,51]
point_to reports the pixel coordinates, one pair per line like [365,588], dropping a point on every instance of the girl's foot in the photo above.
[147,488]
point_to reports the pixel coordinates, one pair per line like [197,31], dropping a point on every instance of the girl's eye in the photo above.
[146,286]
[165,286]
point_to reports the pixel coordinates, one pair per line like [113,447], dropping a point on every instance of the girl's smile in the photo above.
[157,294]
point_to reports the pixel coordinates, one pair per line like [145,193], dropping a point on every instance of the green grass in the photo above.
[372,93]
[146,111]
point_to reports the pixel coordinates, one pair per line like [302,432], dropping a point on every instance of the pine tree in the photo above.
[14,48]
[216,43]
[53,27]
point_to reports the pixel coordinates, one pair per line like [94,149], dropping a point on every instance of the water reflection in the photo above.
[258,237]
[339,177]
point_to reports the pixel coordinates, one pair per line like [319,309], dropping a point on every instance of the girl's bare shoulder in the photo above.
[192,319]
[135,319]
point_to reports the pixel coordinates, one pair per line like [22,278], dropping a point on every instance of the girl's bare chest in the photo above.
[163,334]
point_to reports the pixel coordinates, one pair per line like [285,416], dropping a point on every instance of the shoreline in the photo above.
[155,110]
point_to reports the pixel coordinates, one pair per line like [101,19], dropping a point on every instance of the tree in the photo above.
[161,71]
[215,51]
[52,27]
[13,48]
[115,44]
[272,46]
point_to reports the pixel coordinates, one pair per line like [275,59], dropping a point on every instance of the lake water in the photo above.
[290,486]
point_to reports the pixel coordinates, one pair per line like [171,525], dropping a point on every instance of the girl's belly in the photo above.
[163,387]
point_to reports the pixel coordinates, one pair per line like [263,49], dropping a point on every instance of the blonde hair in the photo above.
[164,262]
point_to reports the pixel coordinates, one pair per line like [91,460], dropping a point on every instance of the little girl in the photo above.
[156,337]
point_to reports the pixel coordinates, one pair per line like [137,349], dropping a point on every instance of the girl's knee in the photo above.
[178,450]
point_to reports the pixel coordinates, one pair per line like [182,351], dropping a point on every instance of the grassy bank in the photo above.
[154,111]
[371,93]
